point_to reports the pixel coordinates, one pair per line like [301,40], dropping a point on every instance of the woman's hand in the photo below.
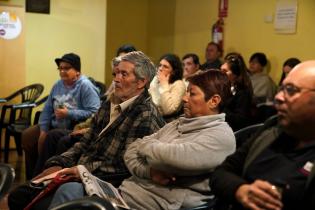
[161,177]
[163,77]
[260,195]
[61,113]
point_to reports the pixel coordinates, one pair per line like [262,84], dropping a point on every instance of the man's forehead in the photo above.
[126,65]
[302,74]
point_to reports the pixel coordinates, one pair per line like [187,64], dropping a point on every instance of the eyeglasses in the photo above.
[291,90]
[64,68]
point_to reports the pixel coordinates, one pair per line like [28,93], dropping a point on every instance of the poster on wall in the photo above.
[10,25]
[285,18]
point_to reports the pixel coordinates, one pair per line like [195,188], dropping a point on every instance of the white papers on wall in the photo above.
[286,15]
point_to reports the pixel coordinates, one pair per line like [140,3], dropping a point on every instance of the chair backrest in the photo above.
[28,94]
[37,114]
[7,175]
[86,203]
[246,133]
[101,87]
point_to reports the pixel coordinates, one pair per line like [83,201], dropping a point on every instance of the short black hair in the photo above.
[193,56]
[126,48]
[260,57]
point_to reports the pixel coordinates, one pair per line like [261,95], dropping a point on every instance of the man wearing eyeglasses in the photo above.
[72,99]
[276,169]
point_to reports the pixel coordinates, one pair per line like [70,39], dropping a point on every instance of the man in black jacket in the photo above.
[275,169]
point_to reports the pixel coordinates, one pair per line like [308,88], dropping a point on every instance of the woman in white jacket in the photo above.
[167,88]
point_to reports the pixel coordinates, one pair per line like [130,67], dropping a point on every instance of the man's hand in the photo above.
[260,195]
[161,177]
[70,172]
[48,171]
[61,113]
[79,132]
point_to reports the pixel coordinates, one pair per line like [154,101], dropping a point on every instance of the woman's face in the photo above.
[67,73]
[286,70]
[226,69]
[165,68]
[195,104]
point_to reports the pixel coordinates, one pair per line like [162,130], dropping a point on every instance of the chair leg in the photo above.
[6,146]
[18,143]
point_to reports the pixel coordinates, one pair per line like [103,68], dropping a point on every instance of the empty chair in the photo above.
[27,94]
[20,119]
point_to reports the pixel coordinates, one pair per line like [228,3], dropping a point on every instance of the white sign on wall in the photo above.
[10,25]
[285,18]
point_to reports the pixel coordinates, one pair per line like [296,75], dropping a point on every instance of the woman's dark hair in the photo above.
[238,67]
[260,57]
[291,62]
[175,62]
[126,48]
[211,82]
[194,57]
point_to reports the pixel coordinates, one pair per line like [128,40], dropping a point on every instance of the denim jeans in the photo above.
[67,192]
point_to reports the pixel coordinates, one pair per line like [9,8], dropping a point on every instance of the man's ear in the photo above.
[214,102]
[142,83]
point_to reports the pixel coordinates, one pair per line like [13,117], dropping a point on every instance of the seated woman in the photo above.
[238,107]
[287,67]
[72,99]
[170,169]
[167,88]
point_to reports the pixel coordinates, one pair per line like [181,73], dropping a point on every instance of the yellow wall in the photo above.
[245,30]
[95,29]
[126,23]
[72,26]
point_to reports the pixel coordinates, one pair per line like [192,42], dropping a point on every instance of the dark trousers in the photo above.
[21,196]
[57,142]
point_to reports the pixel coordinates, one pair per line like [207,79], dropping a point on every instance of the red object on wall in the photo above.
[217,32]
[223,8]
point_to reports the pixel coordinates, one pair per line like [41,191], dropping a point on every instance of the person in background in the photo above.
[213,55]
[276,169]
[190,65]
[287,66]
[263,86]
[167,88]
[160,178]
[238,106]
[125,115]
[72,99]
[124,49]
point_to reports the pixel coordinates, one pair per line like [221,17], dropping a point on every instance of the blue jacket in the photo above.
[82,100]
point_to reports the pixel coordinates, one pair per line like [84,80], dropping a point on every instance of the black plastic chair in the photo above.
[27,94]
[20,119]
[101,87]
[7,175]
[246,133]
[87,203]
